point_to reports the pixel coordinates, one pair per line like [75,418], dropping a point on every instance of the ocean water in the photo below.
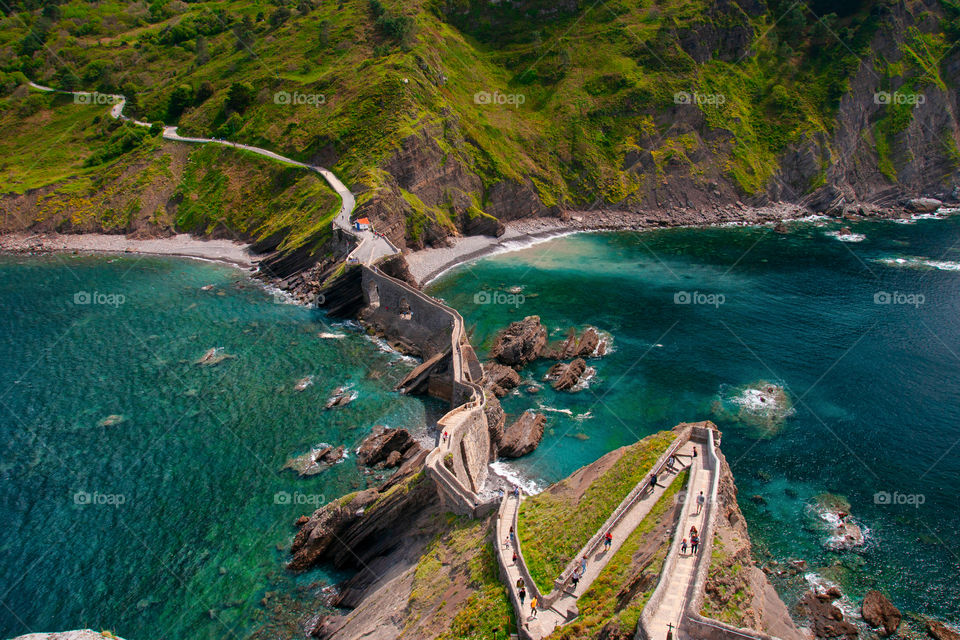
[830,362]
[143,493]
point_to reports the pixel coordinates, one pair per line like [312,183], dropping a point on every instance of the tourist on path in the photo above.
[683,546]
[516,492]
[513,536]
[515,558]
[575,578]
[700,501]
[693,530]
[520,583]
[607,541]
[523,594]
[653,482]
[694,452]
[694,543]
[583,564]
[533,606]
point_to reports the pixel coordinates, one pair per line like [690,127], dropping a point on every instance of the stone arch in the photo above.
[373,294]
[406,313]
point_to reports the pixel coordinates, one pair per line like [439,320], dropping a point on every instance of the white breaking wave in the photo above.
[332,336]
[920,263]
[386,348]
[846,237]
[576,416]
[505,469]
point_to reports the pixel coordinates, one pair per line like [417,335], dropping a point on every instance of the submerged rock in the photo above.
[940,631]
[520,343]
[826,619]
[111,420]
[214,356]
[303,383]
[523,436]
[879,612]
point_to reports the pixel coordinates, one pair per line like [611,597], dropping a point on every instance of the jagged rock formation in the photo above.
[79,634]
[499,379]
[879,612]
[940,631]
[520,343]
[566,375]
[523,436]
[387,447]
[825,618]
[585,345]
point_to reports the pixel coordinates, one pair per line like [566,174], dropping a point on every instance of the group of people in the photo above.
[694,542]
[522,594]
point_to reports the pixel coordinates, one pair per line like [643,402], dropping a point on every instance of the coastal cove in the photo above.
[142,491]
[872,402]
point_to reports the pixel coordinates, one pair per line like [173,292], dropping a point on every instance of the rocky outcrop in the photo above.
[587,344]
[520,343]
[324,527]
[80,634]
[879,612]
[566,375]
[386,447]
[523,436]
[315,460]
[825,618]
[940,631]
[499,379]
[923,205]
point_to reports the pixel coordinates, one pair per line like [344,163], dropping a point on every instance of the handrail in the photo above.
[622,509]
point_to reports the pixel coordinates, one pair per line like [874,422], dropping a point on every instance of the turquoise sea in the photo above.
[143,493]
[853,344]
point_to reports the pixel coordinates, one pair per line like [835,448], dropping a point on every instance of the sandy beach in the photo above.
[181,245]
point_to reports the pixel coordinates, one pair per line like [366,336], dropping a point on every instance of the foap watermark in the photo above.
[296,497]
[694,97]
[499,297]
[95,97]
[899,297]
[698,297]
[84,498]
[899,97]
[99,298]
[899,499]
[497,98]
[297,98]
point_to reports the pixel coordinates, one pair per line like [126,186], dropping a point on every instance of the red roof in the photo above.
[363,221]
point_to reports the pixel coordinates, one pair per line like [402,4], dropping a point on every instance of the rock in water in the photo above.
[879,612]
[499,379]
[923,205]
[826,619]
[523,436]
[111,420]
[341,396]
[379,445]
[214,356]
[940,631]
[587,344]
[520,343]
[565,376]
[303,383]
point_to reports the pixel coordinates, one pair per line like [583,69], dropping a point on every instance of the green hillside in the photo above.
[427,108]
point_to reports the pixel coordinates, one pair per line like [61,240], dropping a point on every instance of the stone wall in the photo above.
[405,314]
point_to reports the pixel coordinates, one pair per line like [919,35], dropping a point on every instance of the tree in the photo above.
[180,99]
[239,97]
[204,91]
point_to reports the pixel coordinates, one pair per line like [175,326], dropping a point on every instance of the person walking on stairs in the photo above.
[694,543]
[607,541]
[575,578]
[522,593]
[683,546]
[700,502]
[533,607]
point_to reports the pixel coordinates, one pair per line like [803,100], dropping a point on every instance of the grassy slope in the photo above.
[456,591]
[593,84]
[553,526]
[600,605]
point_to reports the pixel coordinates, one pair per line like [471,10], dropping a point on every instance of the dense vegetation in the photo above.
[554,525]
[580,101]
